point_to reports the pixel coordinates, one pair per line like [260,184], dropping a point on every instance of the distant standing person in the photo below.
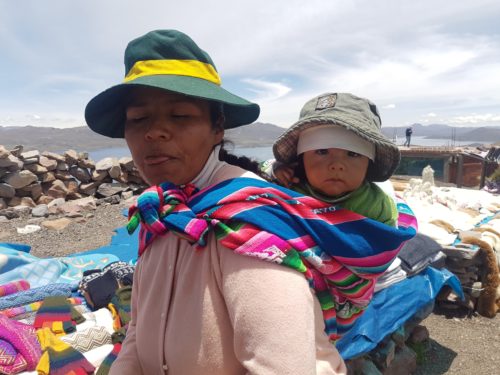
[409,132]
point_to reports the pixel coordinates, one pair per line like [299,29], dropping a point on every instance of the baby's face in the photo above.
[334,171]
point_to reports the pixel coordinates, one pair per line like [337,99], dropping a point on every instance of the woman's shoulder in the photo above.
[228,171]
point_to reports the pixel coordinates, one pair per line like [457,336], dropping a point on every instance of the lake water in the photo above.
[258,153]
[266,152]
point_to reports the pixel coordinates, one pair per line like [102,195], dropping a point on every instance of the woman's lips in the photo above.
[157,159]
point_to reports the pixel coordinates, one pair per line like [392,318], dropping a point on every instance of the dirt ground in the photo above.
[459,344]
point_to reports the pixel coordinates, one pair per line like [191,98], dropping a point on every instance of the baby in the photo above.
[335,153]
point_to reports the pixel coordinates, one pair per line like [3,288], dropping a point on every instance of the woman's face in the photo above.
[169,135]
[333,171]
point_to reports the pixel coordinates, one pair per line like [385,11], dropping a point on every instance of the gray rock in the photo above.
[50,164]
[6,190]
[41,210]
[12,162]
[105,164]
[30,157]
[81,174]
[53,156]
[20,179]
[109,189]
[35,168]
[3,152]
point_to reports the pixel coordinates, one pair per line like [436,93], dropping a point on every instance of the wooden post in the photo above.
[483,174]
[460,171]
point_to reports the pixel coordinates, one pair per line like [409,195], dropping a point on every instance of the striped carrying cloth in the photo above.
[340,253]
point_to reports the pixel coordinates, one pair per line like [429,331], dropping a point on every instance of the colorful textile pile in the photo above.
[33,307]
[59,358]
[57,315]
[340,253]
[13,287]
[34,295]
[19,348]
[108,361]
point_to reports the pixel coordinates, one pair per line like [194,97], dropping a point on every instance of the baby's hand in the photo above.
[284,174]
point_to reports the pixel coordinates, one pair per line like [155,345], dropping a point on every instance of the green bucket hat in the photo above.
[356,114]
[168,60]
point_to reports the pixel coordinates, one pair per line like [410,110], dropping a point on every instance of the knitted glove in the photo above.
[55,313]
[121,302]
[59,358]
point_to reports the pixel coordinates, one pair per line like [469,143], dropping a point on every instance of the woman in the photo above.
[210,311]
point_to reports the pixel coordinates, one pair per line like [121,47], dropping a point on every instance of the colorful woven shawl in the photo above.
[340,253]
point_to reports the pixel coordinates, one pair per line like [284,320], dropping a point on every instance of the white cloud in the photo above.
[267,91]
[56,55]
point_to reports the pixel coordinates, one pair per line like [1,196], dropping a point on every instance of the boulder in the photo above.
[50,164]
[11,162]
[53,156]
[6,190]
[57,224]
[20,179]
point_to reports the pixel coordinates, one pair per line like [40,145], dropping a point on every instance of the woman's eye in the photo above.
[353,154]
[181,115]
[321,151]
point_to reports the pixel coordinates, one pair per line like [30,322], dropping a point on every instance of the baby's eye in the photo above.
[321,151]
[353,154]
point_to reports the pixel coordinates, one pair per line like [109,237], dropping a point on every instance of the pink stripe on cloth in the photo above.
[14,287]
[23,338]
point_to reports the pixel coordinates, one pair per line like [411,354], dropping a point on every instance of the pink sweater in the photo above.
[214,312]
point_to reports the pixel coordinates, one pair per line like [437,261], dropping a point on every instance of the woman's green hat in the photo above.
[168,60]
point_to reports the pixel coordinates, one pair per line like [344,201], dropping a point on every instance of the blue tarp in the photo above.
[123,245]
[392,307]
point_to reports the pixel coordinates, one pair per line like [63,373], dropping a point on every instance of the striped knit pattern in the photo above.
[34,295]
[13,287]
[340,253]
[59,358]
[108,361]
[55,313]
[33,307]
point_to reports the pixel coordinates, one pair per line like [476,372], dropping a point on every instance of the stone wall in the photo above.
[33,178]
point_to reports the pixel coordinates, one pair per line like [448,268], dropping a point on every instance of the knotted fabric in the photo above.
[340,252]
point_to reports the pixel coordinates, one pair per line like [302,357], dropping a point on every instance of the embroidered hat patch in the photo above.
[326,101]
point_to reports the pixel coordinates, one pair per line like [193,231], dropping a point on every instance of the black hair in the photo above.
[218,121]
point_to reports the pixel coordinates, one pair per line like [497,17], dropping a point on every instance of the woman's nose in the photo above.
[158,130]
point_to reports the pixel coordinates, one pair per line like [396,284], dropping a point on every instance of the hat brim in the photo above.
[387,154]
[105,113]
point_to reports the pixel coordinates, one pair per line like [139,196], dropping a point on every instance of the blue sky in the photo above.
[419,61]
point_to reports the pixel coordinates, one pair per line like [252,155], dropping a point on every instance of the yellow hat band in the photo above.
[190,68]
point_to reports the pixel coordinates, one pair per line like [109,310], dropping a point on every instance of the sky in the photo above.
[425,61]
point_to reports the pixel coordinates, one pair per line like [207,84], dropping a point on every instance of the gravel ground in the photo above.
[458,345]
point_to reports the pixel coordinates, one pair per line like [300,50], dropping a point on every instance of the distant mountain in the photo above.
[439,131]
[256,134]
[83,139]
[55,139]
